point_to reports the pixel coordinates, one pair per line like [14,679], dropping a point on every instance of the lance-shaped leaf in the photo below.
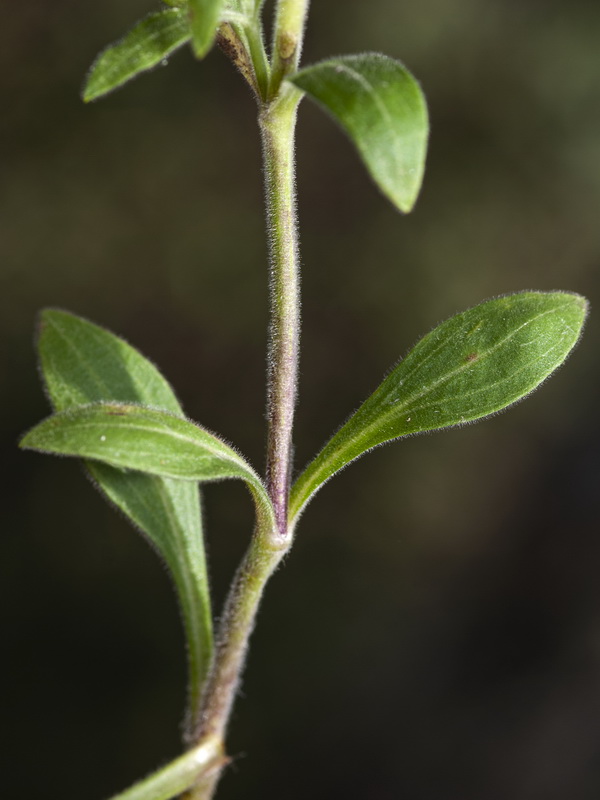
[382,109]
[470,366]
[132,437]
[146,45]
[205,16]
[84,363]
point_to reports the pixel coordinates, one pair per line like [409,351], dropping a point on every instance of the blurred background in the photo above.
[435,633]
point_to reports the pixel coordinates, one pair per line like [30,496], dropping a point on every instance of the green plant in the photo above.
[115,410]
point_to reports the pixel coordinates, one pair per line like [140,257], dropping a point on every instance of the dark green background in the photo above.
[436,632]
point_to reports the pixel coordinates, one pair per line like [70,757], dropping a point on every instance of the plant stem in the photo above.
[277,124]
[277,121]
[236,626]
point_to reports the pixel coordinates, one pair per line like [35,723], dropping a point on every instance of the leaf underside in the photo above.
[469,367]
[147,44]
[382,109]
[83,363]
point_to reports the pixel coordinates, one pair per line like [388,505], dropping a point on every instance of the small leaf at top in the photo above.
[382,109]
[470,366]
[205,16]
[83,363]
[145,46]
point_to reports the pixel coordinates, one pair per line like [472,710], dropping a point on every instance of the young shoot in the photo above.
[114,410]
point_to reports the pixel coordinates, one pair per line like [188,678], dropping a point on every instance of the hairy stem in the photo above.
[277,121]
[236,626]
[277,124]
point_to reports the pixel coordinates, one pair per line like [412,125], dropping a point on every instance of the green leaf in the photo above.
[382,109]
[143,439]
[84,363]
[147,440]
[169,513]
[470,366]
[205,16]
[145,46]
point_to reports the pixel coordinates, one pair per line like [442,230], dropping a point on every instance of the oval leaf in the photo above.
[205,16]
[472,365]
[145,46]
[83,363]
[382,109]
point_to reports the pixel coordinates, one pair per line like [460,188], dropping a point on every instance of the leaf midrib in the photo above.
[131,425]
[399,406]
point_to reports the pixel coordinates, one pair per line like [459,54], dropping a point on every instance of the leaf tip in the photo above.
[91,90]
[582,302]
[579,305]
[28,440]
[47,318]
[204,24]
[201,48]
[403,205]
[46,314]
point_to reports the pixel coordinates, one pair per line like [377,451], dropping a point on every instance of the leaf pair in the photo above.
[116,410]
[374,98]
[473,365]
